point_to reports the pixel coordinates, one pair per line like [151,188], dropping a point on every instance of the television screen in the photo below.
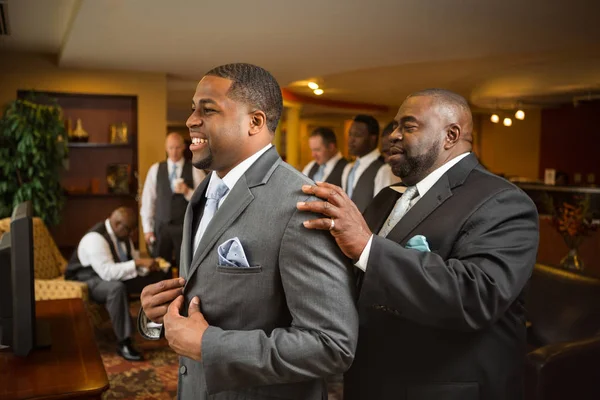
[26,333]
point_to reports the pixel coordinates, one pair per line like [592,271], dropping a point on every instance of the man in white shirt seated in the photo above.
[168,187]
[107,261]
[328,163]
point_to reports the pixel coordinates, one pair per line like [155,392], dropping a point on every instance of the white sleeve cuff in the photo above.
[148,329]
[364,256]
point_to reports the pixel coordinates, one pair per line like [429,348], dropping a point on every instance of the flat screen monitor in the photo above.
[20,330]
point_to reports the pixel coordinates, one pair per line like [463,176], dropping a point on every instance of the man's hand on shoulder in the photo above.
[342,218]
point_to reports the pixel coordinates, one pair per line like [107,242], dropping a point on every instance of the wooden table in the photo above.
[70,368]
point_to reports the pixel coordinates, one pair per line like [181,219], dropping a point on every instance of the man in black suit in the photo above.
[442,275]
[328,163]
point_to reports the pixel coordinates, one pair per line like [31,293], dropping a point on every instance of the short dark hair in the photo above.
[372,124]
[327,134]
[254,86]
[389,128]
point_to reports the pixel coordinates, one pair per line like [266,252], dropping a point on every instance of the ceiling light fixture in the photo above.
[318,92]
[520,114]
[507,121]
[313,85]
[495,118]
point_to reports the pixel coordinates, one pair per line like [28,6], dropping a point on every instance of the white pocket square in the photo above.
[231,254]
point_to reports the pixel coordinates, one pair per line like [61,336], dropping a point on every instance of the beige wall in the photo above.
[514,150]
[19,71]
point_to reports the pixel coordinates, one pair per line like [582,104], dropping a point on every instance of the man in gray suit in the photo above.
[267,308]
[443,263]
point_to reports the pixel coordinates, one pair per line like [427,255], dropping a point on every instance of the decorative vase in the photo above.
[572,261]
[79,134]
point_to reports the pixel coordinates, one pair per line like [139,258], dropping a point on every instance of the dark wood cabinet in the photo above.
[89,196]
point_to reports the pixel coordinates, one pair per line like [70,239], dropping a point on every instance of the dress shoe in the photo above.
[127,351]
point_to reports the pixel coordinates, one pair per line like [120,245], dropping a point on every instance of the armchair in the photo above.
[564,310]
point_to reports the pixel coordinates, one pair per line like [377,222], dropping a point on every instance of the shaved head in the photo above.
[123,221]
[174,146]
[454,107]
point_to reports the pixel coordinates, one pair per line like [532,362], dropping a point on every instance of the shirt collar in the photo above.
[368,158]
[236,173]
[426,183]
[179,163]
[333,160]
[109,229]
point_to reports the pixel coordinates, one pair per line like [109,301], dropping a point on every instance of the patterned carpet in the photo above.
[154,378]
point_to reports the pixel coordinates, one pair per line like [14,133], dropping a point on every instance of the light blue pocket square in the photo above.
[231,254]
[418,242]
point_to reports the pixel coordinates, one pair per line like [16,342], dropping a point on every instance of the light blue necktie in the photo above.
[319,174]
[216,190]
[173,176]
[350,181]
[399,210]
[121,251]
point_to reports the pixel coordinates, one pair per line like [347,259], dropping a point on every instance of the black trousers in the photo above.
[168,242]
[115,296]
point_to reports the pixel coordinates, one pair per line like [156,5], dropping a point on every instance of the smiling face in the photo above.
[417,142]
[218,127]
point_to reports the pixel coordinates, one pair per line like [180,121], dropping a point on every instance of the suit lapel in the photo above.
[196,203]
[425,206]
[434,197]
[234,205]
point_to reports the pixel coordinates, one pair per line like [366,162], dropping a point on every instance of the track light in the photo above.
[318,92]
[313,85]
[507,121]
[495,118]
[520,114]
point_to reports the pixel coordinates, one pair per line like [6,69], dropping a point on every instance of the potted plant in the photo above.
[32,148]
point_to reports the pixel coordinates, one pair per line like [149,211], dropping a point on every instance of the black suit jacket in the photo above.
[450,323]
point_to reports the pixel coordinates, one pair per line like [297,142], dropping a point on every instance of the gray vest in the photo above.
[363,191]
[77,271]
[335,177]
[170,207]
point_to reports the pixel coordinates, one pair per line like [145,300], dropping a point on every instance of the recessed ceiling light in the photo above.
[313,85]
[318,92]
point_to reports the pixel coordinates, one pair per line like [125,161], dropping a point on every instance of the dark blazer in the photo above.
[281,325]
[450,323]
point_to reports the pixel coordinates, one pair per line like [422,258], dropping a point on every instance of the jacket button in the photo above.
[182,370]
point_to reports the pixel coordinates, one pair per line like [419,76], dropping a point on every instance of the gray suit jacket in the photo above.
[282,325]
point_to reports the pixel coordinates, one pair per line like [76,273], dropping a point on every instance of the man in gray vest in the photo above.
[368,174]
[169,186]
[107,261]
[328,163]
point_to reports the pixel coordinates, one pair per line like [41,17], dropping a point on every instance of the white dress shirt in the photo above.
[95,251]
[148,207]
[231,179]
[423,187]
[329,165]
[384,177]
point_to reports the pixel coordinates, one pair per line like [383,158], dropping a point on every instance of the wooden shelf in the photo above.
[88,195]
[99,145]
